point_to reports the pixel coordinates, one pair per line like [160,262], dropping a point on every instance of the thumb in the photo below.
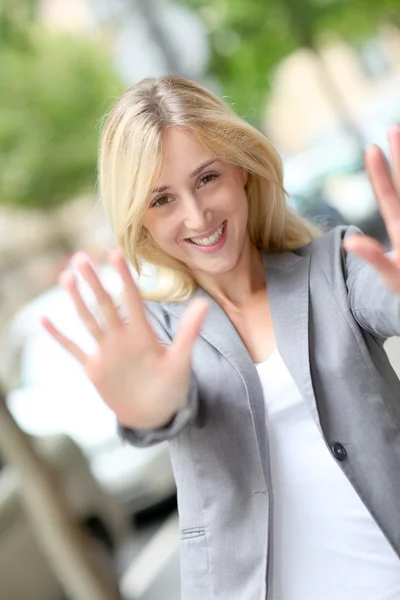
[189,330]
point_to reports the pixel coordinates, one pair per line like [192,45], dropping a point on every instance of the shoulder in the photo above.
[328,255]
[159,317]
[158,310]
[330,243]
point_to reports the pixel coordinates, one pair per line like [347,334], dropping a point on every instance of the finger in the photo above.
[394,146]
[189,330]
[105,303]
[374,253]
[68,282]
[65,342]
[132,297]
[385,192]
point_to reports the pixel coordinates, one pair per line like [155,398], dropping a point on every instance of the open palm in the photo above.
[142,380]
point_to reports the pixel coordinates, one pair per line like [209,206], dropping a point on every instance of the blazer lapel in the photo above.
[219,331]
[288,278]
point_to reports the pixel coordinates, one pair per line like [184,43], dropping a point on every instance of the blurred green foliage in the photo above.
[250,37]
[54,89]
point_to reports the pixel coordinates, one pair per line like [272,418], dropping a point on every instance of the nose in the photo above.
[196,216]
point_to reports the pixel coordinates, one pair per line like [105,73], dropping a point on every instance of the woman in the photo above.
[272,387]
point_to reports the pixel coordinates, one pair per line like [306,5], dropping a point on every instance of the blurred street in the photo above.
[167,587]
[154,552]
[393,349]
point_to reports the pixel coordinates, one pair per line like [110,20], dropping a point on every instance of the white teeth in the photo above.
[210,241]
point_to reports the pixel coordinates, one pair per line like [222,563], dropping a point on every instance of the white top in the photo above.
[326,545]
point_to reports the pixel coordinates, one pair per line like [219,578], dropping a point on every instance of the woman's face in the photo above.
[198,211]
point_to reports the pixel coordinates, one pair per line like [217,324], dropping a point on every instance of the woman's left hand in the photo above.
[386,186]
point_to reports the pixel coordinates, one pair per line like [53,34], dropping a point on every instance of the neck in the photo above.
[239,285]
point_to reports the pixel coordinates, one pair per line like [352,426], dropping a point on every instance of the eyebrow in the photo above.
[198,170]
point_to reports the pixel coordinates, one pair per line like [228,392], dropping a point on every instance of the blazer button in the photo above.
[338,451]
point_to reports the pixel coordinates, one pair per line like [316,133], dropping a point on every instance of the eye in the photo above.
[161,201]
[206,179]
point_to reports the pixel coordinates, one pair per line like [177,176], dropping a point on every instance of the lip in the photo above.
[204,235]
[215,247]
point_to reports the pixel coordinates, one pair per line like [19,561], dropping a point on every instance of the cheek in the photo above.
[162,230]
[240,205]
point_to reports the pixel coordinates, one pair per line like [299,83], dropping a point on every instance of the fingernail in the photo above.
[80,258]
[66,277]
[117,258]
[115,254]
[394,128]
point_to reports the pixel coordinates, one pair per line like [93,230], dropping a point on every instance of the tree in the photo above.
[249,39]
[53,91]
[52,95]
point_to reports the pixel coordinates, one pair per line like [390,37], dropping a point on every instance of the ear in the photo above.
[244,175]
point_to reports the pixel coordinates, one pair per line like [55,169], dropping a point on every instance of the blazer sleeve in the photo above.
[375,308]
[148,437]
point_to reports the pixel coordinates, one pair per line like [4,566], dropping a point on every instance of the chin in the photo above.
[218,267]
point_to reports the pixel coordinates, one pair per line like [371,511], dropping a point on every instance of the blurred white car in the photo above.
[51,394]
[24,570]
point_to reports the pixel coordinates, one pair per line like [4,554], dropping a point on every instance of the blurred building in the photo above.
[147,37]
[367,81]
[300,110]
[73,16]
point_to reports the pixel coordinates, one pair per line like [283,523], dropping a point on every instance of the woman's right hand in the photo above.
[143,381]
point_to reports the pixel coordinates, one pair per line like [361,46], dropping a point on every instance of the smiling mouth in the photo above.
[210,240]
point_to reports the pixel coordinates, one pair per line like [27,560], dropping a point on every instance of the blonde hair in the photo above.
[130,163]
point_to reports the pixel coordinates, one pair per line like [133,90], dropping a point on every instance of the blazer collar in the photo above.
[287,276]
[285,272]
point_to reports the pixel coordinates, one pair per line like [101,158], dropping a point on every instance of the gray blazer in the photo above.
[331,316]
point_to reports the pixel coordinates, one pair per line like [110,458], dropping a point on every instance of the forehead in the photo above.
[182,152]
